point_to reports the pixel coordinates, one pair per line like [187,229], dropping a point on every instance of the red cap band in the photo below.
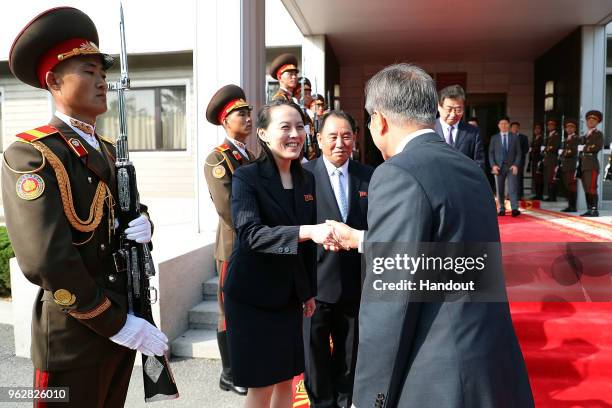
[286,67]
[231,106]
[61,52]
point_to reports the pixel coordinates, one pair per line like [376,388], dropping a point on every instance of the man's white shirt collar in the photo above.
[91,140]
[411,136]
[331,168]
[240,146]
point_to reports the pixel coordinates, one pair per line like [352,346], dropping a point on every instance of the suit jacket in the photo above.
[67,332]
[524,142]
[467,141]
[434,354]
[593,143]
[268,267]
[339,274]
[220,165]
[513,157]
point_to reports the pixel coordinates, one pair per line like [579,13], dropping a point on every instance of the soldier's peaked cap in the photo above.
[51,37]
[572,121]
[595,113]
[283,63]
[225,101]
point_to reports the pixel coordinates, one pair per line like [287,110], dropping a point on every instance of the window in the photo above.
[156,118]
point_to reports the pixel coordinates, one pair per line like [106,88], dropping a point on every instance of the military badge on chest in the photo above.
[30,186]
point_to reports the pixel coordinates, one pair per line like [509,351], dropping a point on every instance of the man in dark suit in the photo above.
[437,353]
[515,127]
[342,195]
[462,136]
[505,158]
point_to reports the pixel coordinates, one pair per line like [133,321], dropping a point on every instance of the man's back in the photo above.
[435,354]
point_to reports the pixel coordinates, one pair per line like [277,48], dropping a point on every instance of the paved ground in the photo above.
[197,380]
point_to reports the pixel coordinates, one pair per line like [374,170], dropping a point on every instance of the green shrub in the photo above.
[6,253]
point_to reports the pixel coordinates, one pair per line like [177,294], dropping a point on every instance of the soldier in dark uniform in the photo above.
[569,159]
[227,108]
[593,143]
[535,153]
[60,192]
[551,157]
[285,69]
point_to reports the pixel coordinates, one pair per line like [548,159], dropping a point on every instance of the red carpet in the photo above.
[567,345]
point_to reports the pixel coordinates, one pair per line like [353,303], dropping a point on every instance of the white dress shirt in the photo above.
[445,129]
[91,140]
[240,146]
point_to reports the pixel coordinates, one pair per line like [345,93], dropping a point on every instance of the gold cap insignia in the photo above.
[63,297]
[218,171]
[30,186]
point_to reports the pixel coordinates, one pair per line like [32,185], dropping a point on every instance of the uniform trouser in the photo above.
[329,371]
[500,184]
[590,179]
[569,182]
[538,183]
[549,178]
[221,327]
[104,385]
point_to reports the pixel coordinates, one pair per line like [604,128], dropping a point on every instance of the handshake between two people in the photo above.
[333,235]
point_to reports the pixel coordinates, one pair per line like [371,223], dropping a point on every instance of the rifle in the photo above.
[559,168]
[608,170]
[133,258]
[540,163]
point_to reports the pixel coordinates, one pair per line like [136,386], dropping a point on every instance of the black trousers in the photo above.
[100,386]
[330,368]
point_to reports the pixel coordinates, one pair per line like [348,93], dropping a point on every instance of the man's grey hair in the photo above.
[404,93]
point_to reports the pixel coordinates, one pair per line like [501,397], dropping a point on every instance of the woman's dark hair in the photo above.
[340,115]
[263,121]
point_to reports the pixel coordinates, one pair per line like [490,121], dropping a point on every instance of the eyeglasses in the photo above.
[457,109]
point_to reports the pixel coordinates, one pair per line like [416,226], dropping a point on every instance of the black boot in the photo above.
[589,203]
[552,193]
[594,202]
[571,202]
[226,382]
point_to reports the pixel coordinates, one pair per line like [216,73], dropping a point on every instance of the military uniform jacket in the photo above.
[593,143]
[82,301]
[551,153]
[219,169]
[536,147]
[570,154]
[283,95]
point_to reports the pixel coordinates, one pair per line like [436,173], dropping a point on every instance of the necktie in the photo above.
[504,146]
[450,140]
[340,195]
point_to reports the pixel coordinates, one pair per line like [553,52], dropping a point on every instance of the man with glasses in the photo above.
[462,136]
[285,69]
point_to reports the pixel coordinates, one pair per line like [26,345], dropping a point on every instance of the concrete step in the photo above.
[196,344]
[209,289]
[204,315]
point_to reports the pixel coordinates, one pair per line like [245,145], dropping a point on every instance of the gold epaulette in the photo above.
[222,147]
[108,140]
[41,132]
[37,133]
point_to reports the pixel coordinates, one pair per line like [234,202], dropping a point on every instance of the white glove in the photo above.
[138,334]
[139,230]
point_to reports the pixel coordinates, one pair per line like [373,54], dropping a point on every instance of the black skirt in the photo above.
[265,346]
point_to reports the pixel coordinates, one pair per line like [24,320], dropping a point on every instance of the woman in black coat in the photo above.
[271,281]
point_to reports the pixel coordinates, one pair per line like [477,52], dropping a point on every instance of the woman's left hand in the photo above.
[309,307]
